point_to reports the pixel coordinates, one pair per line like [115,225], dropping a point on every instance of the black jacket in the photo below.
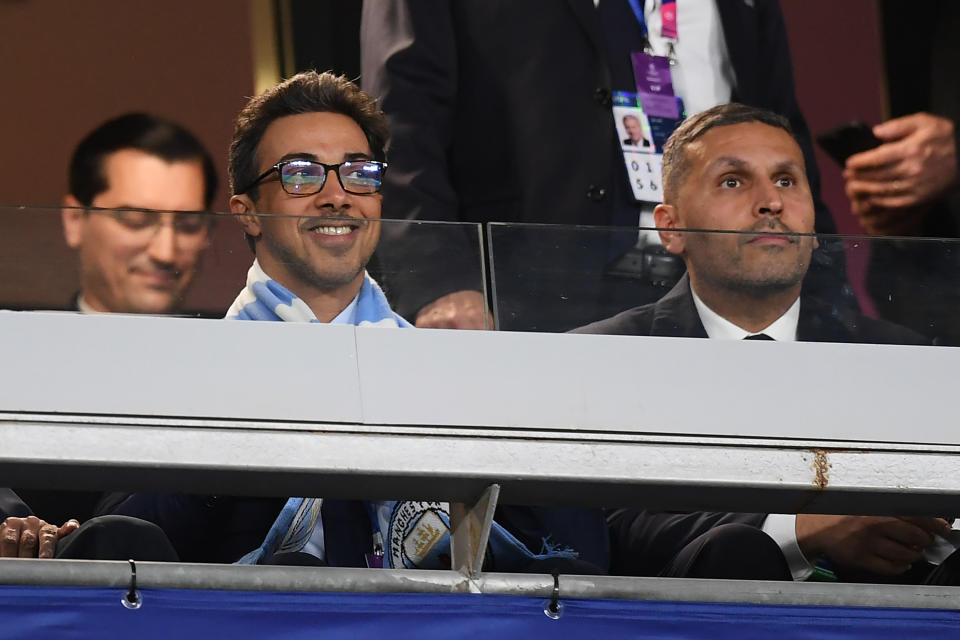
[675,315]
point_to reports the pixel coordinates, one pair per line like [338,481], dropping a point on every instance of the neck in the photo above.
[326,303]
[86,304]
[751,310]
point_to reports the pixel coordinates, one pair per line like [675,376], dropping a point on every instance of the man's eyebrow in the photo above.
[786,166]
[302,155]
[725,162]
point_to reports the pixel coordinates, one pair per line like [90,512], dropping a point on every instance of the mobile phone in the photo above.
[845,140]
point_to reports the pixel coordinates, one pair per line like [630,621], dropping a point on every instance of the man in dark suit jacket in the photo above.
[675,315]
[739,171]
[501,111]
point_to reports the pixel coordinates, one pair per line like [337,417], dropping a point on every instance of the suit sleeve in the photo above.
[644,542]
[409,61]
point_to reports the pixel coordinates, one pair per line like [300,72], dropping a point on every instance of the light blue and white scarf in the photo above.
[415,534]
[266,299]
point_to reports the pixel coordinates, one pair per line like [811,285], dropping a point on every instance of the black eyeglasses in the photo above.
[306,177]
[188,223]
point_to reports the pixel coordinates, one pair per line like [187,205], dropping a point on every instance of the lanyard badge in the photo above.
[640,148]
[645,119]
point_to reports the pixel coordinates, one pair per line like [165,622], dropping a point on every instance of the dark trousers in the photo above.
[734,551]
[117,538]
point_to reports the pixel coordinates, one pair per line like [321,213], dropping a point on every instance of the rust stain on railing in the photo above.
[821,469]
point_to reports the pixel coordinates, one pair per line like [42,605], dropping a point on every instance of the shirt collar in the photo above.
[783,329]
[348,315]
[83,306]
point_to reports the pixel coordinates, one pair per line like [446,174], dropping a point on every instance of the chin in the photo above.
[156,307]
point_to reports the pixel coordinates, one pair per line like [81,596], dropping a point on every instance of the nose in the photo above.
[163,245]
[769,200]
[332,194]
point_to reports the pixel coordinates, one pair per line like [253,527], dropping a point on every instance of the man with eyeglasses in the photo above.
[136,184]
[306,166]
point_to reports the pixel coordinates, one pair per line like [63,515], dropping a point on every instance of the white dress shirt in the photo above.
[703,75]
[782,527]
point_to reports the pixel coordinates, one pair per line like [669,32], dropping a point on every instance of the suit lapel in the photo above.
[675,314]
[586,15]
[820,322]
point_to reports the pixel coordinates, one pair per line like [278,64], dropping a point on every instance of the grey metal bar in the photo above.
[266,578]
[359,462]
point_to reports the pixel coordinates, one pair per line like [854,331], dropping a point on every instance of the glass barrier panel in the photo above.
[854,289]
[196,264]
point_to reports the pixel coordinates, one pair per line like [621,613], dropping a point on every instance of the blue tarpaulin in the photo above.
[81,612]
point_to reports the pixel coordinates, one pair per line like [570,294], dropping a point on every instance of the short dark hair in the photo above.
[675,164]
[306,92]
[144,132]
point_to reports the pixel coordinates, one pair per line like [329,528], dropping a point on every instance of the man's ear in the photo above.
[666,218]
[74,220]
[247,217]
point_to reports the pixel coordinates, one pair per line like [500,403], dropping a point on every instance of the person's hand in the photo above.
[882,545]
[32,537]
[890,187]
[457,310]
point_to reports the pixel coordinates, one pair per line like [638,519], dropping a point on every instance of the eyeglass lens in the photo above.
[185,223]
[303,177]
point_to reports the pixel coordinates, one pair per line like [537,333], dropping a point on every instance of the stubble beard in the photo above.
[302,270]
[743,276]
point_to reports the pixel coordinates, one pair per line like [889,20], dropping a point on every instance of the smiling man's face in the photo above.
[317,243]
[136,261]
[747,177]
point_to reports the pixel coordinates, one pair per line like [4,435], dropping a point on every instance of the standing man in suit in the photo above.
[740,170]
[476,91]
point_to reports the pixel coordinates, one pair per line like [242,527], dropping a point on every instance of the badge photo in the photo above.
[633,129]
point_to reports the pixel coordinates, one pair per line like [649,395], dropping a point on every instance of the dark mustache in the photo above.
[769,225]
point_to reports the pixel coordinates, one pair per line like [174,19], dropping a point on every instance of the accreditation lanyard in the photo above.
[668,19]
[646,119]
[374,559]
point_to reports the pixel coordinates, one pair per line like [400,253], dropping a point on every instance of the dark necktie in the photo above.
[758,336]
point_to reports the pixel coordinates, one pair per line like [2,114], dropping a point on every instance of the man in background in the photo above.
[477,92]
[137,184]
[153,177]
